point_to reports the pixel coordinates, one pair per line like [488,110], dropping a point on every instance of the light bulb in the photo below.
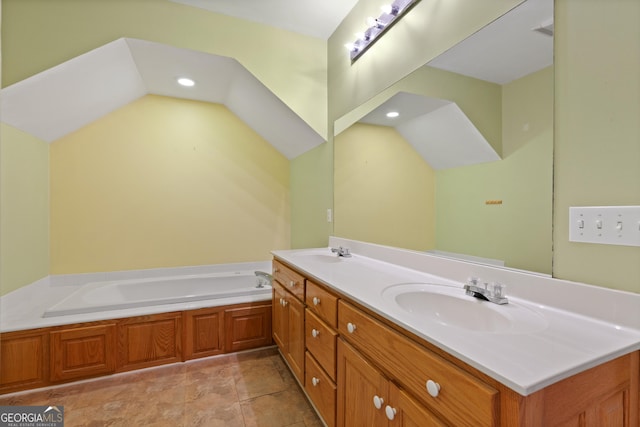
[184,81]
[392,114]
[387,9]
[360,36]
[350,46]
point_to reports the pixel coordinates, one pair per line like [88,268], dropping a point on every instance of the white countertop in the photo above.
[568,342]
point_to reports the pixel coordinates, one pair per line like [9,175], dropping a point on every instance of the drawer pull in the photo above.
[283,302]
[390,412]
[351,328]
[378,401]
[316,301]
[315,333]
[315,381]
[292,283]
[433,388]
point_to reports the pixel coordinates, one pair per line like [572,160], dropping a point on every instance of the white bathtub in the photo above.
[122,294]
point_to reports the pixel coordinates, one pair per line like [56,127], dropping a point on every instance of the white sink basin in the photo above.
[450,306]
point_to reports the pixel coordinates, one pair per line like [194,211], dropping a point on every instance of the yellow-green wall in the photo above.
[164,182]
[597,132]
[519,230]
[384,190]
[311,196]
[24,209]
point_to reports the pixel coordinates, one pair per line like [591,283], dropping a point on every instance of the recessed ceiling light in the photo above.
[186,82]
[392,114]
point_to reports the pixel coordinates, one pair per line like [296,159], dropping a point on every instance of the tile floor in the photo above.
[245,389]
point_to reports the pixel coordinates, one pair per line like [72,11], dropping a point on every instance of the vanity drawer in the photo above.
[461,398]
[323,303]
[289,278]
[321,342]
[321,389]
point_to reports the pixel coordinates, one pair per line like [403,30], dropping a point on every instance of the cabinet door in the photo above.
[295,349]
[149,341]
[248,327]
[359,384]
[280,322]
[204,332]
[404,411]
[24,360]
[83,352]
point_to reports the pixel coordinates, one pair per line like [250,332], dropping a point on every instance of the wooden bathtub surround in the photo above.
[349,355]
[47,356]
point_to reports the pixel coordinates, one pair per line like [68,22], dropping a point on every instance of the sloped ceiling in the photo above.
[436,128]
[75,93]
[311,17]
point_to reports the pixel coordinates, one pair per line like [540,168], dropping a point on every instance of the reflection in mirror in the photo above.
[469,173]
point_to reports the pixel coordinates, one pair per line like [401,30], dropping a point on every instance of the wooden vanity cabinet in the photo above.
[367,397]
[320,340]
[374,357]
[457,397]
[288,327]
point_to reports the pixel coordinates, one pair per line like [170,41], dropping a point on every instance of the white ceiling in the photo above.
[507,49]
[317,18]
[436,128]
[73,94]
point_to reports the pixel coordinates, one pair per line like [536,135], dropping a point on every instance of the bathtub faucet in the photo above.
[263,279]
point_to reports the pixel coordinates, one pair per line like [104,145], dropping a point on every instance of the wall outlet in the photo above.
[606,225]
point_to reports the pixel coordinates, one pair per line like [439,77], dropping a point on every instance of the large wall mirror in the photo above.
[465,167]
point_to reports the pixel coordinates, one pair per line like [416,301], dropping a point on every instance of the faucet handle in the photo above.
[473,280]
[497,289]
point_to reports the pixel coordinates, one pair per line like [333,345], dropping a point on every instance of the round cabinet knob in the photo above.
[292,283]
[276,269]
[351,327]
[315,333]
[284,302]
[378,402]
[390,412]
[433,388]
[316,301]
[315,381]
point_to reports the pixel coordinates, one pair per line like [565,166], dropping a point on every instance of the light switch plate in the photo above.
[606,225]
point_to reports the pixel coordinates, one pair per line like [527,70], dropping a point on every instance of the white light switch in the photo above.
[607,225]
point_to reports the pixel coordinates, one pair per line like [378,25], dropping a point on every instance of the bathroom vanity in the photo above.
[364,360]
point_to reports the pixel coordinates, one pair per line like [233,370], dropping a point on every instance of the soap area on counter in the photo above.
[549,330]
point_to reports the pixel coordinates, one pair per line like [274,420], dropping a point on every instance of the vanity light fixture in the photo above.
[391,13]
[187,82]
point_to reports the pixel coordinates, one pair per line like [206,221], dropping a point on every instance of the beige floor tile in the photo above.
[244,389]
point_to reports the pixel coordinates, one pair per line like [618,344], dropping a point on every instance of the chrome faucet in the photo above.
[343,252]
[493,292]
[263,279]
